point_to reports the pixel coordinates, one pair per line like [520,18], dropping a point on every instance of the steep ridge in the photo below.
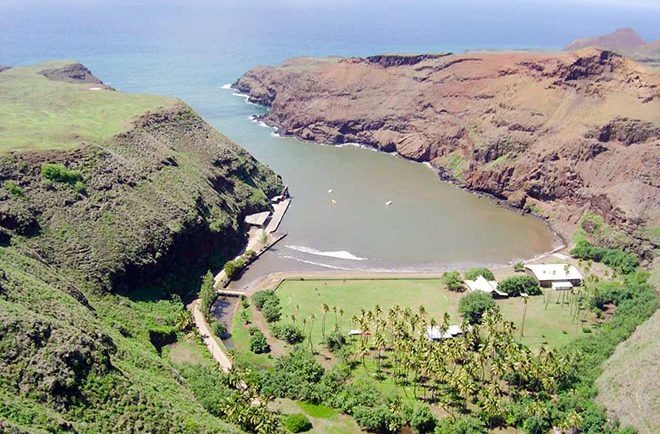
[620,39]
[557,134]
[83,231]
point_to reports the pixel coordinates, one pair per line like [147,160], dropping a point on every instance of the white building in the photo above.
[556,276]
[434,333]
[483,285]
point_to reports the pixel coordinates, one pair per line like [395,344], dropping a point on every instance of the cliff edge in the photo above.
[560,134]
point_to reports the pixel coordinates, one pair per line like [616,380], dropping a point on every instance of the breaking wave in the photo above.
[339,254]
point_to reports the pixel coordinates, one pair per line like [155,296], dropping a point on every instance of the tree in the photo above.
[474,304]
[519,267]
[219,328]
[422,420]
[232,268]
[515,285]
[206,292]
[325,308]
[296,423]
[258,343]
[473,273]
[452,281]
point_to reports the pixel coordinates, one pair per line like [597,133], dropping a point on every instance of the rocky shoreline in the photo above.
[555,134]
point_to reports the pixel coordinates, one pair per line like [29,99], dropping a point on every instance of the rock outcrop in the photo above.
[621,39]
[557,134]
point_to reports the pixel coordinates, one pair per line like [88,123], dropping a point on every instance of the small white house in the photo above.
[434,333]
[556,276]
[483,285]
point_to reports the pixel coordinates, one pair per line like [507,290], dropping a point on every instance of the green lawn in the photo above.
[37,113]
[325,420]
[302,298]
[241,338]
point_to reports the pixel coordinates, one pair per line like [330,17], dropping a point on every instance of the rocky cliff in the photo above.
[95,239]
[557,134]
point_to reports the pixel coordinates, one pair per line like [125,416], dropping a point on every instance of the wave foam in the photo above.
[226,86]
[339,254]
[320,264]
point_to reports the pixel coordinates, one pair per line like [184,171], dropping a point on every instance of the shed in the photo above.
[549,273]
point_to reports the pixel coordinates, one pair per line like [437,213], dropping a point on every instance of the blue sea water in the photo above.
[190,49]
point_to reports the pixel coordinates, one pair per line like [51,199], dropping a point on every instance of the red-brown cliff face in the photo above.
[554,133]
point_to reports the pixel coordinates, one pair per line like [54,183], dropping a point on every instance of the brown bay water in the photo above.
[339,220]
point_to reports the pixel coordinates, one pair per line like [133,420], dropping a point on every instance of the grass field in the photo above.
[324,419]
[240,335]
[37,113]
[302,298]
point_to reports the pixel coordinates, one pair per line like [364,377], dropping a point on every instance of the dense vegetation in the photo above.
[619,260]
[483,379]
[473,273]
[516,285]
[92,286]
[474,304]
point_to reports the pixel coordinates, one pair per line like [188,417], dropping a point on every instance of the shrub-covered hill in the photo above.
[106,194]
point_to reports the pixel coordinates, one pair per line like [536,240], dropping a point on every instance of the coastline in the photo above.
[561,240]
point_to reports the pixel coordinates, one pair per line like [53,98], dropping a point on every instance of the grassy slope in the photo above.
[629,384]
[352,295]
[38,113]
[160,196]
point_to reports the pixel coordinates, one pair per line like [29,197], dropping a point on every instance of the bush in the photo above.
[56,172]
[473,305]
[297,423]
[296,375]
[335,341]
[617,259]
[288,333]
[422,420]
[462,425]
[258,343]
[269,304]
[473,273]
[378,419]
[260,297]
[515,285]
[452,281]
[13,189]
[80,187]
[219,328]
[519,267]
[272,310]
[206,292]
[232,268]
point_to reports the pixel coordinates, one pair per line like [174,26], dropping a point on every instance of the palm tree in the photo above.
[325,309]
[312,317]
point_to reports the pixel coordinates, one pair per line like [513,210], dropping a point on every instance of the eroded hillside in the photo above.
[556,134]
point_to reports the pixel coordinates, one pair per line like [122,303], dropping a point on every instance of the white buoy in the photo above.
[330,191]
[388,203]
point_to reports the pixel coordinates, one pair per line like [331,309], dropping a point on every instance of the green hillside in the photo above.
[38,112]
[102,238]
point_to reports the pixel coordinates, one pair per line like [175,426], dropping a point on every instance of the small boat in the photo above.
[388,203]
[334,202]
[330,191]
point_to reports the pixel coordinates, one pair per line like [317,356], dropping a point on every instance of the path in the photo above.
[209,340]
